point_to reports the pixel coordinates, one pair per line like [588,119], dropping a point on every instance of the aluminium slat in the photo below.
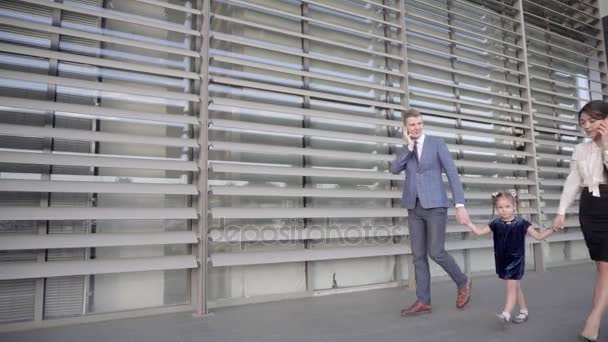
[300,18]
[575,236]
[26,270]
[556,23]
[71,82]
[17,185]
[375,4]
[555,106]
[347,136]
[316,172]
[560,36]
[459,43]
[271,149]
[564,49]
[555,118]
[256,233]
[287,256]
[95,111]
[302,92]
[354,14]
[474,118]
[103,62]
[171,6]
[564,85]
[552,69]
[464,73]
[305,36]
[332,193]
[95,36]
[567,17]
[11,242]
[553,210]
[281,150]
[550,93]
[562,60]
[339,116]
[551,182]
[468,103]
[552,196]
[290,71]
[554,143]
[86,213]
[84,135]
[457,28]
[559,131]
[293,52]
[115,15]
[553,156]
[452,84]
[577,10]
[259,213]
[554,169]
[502,29]
[55,158]
[350,136]
[491,12]
[354,118]
[464,59]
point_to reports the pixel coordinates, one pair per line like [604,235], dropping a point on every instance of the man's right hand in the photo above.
[406,136]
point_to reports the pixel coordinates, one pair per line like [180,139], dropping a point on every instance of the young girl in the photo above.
[509,233]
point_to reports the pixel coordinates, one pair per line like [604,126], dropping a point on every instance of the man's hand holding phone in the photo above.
[406,136]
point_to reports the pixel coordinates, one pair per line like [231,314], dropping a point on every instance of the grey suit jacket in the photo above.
[424,180]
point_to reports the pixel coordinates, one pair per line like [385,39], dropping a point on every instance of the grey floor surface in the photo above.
[559,300]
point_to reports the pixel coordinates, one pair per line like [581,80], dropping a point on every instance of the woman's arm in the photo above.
[572,186]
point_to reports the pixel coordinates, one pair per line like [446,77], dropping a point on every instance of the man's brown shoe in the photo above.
[416,309]
[464,295]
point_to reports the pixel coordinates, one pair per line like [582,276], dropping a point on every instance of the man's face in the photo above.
[414,126]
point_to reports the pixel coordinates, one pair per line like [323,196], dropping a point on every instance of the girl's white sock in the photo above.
[506,315]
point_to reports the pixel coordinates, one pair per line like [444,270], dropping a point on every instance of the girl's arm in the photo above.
[539,235]
[478,231]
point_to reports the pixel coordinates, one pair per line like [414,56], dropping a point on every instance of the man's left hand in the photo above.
[462,216]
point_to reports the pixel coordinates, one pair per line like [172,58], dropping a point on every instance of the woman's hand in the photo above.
[558,222]
[602,130]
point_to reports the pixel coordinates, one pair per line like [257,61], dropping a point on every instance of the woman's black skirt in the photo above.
[593,216]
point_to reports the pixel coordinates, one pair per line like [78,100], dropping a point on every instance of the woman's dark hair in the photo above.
[596,109]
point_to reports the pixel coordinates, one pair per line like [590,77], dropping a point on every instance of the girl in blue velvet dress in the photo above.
[509,233]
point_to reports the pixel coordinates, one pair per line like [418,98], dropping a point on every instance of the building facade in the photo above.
[162,156]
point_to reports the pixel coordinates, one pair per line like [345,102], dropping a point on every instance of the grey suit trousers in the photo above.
[427,237]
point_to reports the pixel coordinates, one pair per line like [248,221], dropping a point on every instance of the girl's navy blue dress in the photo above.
[510,247]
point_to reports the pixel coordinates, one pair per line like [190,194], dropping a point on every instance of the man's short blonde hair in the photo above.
[410,113]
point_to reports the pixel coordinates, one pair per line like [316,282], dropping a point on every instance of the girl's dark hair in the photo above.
[512,196]
[596,109]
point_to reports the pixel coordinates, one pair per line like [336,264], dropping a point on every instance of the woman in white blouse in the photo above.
[588,176]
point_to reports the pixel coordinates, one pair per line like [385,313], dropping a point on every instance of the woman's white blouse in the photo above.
[586,170]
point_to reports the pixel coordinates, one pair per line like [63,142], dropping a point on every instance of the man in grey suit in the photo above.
[424,195]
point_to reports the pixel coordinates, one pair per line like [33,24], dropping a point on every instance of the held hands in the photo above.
[471,226]
[558,222]
[462,216]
